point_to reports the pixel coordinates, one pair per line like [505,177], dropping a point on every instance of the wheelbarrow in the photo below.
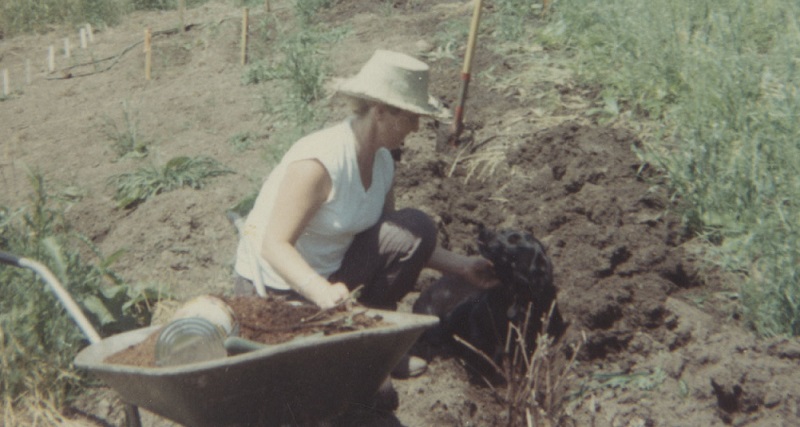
[309,379]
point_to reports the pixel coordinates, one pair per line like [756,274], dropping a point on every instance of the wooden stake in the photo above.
[51,59]
[181,11]
[244,36]
[148,53]
[266,6]
[82,33]
[66,48]
[5,82]
[90,33]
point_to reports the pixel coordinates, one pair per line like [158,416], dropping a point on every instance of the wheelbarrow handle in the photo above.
[7,258]
[63,296]
[132,418]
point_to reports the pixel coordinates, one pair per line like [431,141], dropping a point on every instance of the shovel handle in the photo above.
[473,37]
[466,73]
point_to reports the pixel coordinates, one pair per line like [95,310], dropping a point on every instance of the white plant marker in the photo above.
[66,48]
[51,59]
[90,33]
[27,71]
[83,38]
[5,82]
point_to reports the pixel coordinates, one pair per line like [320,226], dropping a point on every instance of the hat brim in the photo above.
[433,108]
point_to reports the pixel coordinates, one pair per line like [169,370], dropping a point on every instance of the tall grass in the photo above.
[301,69]
[720,81]
[22,16]
[38,340]
[127,140]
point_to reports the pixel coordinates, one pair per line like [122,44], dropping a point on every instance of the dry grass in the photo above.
[535,390]
[478,161]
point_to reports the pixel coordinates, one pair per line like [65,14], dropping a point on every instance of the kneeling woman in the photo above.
[324,221]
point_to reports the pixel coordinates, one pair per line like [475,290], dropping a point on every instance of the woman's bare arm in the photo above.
[304,189]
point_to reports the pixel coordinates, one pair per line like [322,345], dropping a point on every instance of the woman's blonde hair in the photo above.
[361,106]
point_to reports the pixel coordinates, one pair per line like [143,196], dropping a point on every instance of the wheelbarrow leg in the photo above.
[132,418]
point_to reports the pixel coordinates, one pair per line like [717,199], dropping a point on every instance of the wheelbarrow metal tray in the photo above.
[309,379]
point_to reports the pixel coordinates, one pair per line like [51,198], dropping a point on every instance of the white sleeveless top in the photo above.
[348,210]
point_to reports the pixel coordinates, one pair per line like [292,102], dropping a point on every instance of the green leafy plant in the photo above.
[126,139]
[38,340]
[513,18]
[242,141]
[302,68]
[306,10]
[136,187]
[162,4]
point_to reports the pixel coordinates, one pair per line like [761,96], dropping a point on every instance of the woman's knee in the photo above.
[419,225]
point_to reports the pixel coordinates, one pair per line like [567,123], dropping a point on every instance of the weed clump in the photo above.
[136,187]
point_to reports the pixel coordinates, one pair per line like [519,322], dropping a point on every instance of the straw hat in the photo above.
[395,79]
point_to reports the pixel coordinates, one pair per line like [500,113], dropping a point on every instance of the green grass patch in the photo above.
[306,10]
[718,81]
[163,4]
[136,187]
[243,141]
[24,16]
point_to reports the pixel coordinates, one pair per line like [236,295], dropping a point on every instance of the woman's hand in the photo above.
[476,270]
[479,271]
[329,296]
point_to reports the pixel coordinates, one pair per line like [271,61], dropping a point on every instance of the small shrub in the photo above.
[136,187]
[126,138]
[242,141]
[163,4]
[38,340]
[261,71]
[306,10]
[513,18]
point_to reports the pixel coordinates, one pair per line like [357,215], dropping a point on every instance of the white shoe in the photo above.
[409,367]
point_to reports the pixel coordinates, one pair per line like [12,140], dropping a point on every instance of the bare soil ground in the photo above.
[661,344]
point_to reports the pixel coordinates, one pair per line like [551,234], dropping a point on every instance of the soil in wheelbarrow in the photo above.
[273,320]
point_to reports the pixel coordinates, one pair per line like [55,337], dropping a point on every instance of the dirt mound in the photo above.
[582,191]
